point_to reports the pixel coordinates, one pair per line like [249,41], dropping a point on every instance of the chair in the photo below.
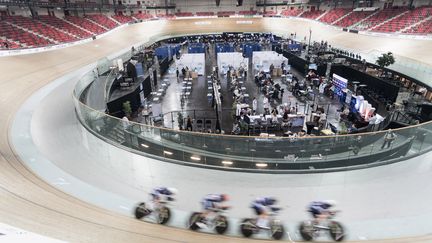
[158,119]
[199,124]
[208,124]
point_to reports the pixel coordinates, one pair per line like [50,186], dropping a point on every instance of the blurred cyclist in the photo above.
[162,194]
[262,206]
[321,210]
[212,202]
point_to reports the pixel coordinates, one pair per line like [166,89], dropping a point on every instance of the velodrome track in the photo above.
[28,202]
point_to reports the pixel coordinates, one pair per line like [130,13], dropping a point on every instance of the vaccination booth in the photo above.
[231,59]
[262,60]
[194,62]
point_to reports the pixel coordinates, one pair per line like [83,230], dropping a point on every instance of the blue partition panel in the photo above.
[196,48]
[224,47]
[163,52]
[249,48]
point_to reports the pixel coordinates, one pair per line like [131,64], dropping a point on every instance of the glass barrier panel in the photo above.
[83,83]
[103,65]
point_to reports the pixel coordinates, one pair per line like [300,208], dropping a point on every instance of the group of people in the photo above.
[268,87]
[233,80]
[278,115]
[261,206]
[184,71]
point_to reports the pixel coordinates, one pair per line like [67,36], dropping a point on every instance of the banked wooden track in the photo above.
[29,203]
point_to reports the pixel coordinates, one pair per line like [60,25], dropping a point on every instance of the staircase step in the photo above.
[337,20]
[96,23]
[361,21]
[113,19]
[322,15]
[79,27]
[414,25]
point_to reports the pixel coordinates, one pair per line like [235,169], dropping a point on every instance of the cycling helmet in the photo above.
[331,203]
[173,190]
[271,200]
[224,197]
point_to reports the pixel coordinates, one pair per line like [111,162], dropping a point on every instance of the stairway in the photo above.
[361,21]
[322,15]
[113,19]
[388,20]
[96,23]
[414,25]
[31,32]
[337,20]
[60,30]
[79,27]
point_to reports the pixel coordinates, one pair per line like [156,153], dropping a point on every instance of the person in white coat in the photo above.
[238,110]
[254,105]
[266,105]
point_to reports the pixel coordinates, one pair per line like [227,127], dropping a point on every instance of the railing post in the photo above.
[172,120]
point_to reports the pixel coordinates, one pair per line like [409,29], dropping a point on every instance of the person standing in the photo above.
[238,110]
[177,74]
[389,137]
[125,122]
[189,124]
[266,105]
[254,105]
[184,72]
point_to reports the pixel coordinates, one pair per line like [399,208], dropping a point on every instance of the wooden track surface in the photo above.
[29,203]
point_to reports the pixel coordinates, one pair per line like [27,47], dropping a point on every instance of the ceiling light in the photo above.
[225,162]
[261,165]
[168,152]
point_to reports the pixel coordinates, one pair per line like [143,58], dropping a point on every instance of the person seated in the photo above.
[285,116]
[275,94]
[274,119]
[322,119]
[345,113]
[237,92]
[236,129]
[353,129]
[246,118]
[320,109]
[302,133]
[281,109]
[321,210]
[262,206]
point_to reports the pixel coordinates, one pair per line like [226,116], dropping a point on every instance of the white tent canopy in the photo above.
[234,59]
[195,62]
[263,59]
